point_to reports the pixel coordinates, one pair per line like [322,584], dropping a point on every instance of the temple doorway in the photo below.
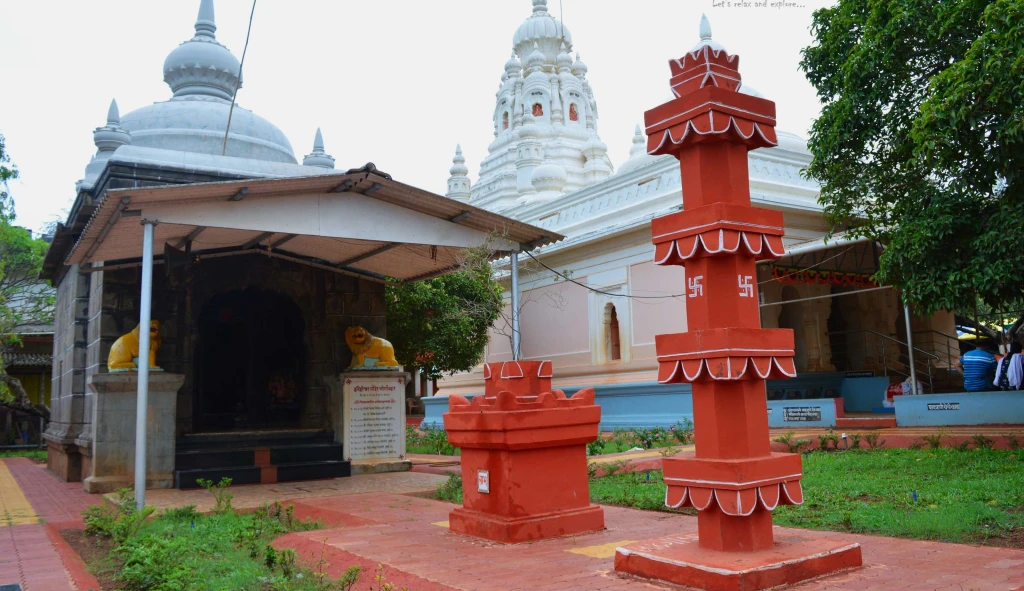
[792,317]
[250,362]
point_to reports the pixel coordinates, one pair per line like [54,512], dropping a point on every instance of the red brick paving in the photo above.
[51,499]
[27,554]
[407,541]
[28,557]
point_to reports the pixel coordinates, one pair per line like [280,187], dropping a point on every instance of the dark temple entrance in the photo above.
[250,362]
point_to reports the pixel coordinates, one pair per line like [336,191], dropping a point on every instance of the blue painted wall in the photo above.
[965,408]
[645,404]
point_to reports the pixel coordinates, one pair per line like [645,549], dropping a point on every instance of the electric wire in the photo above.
[238,82]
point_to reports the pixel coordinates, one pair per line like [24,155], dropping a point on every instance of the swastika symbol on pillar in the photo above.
[696,287]
[746,288]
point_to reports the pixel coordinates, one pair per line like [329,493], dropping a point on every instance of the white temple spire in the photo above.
[705,36]
[108,139]
[705,28]
[458,183]
[318,157]
[205,23]
[113,116]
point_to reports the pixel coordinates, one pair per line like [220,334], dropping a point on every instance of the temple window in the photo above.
[613,347]
[538,111]
[504,120]
[573,114]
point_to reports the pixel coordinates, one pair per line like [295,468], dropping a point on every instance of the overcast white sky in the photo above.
[395,82]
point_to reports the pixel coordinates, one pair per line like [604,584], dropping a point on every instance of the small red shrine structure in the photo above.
[524,456]
[733,480]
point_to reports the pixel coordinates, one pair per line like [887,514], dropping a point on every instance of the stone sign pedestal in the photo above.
[733,480]
[524,456]
[113,420]
[373,421]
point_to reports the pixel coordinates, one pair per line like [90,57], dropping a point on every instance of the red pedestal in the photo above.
[524,456]
[733,480]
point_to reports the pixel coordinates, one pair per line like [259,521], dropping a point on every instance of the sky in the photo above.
[394,82]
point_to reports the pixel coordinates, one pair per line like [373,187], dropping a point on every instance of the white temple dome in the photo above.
[202,73]
[549,177]
[791,141]
[638,155]
[544,30]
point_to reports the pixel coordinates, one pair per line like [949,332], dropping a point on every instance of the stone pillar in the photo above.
[524,456]
[113,420]
[68,417]
[733,480]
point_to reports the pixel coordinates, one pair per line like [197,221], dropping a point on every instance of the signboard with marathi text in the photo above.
[374,416]
[801,413]
[943,406]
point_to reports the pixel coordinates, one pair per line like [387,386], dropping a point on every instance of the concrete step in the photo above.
[881,422]
[265,474]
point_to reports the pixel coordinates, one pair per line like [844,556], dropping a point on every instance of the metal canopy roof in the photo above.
[362,223]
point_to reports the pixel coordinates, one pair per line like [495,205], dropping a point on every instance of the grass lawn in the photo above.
[181,549]
[38,455]
[962,496]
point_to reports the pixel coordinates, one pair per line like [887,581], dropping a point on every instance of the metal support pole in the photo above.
[910,350]
[142,403]
[515,306]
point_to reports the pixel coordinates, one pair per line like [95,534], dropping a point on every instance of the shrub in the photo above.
[1012,442]
[668,452]
[591,469]
[222,498]
[794,445]
[450,490]
[647,438]
[413,438]
[682,431]
[982,442]
[437,441]
[854,440]
[873,441]
[828,439]
[935,441]
[611,468]
[118,522]
[596,447]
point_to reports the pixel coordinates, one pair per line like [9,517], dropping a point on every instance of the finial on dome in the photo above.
[578,67]
[639,142]
[540,6]
[318,157]
[705,28]
[205,24]
[705,36]
[113,116]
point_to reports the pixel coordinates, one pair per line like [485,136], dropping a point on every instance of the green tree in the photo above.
[920,142]
[24,298]
[441,325]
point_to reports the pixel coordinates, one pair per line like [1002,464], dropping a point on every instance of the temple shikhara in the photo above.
[607,289]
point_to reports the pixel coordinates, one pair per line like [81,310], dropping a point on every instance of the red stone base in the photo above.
[794,558]
[525,529]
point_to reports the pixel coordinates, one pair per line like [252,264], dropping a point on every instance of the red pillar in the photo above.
[733,479]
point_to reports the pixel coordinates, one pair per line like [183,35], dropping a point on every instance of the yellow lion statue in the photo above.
[126,349]
[367,348]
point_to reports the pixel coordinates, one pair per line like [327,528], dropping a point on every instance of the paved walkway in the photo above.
[254,495]
[411,537]
[30,495]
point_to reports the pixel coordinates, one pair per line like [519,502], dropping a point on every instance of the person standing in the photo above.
[979,367]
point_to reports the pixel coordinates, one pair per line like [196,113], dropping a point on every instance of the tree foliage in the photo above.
[24,299]
[441,325]
[920,143]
